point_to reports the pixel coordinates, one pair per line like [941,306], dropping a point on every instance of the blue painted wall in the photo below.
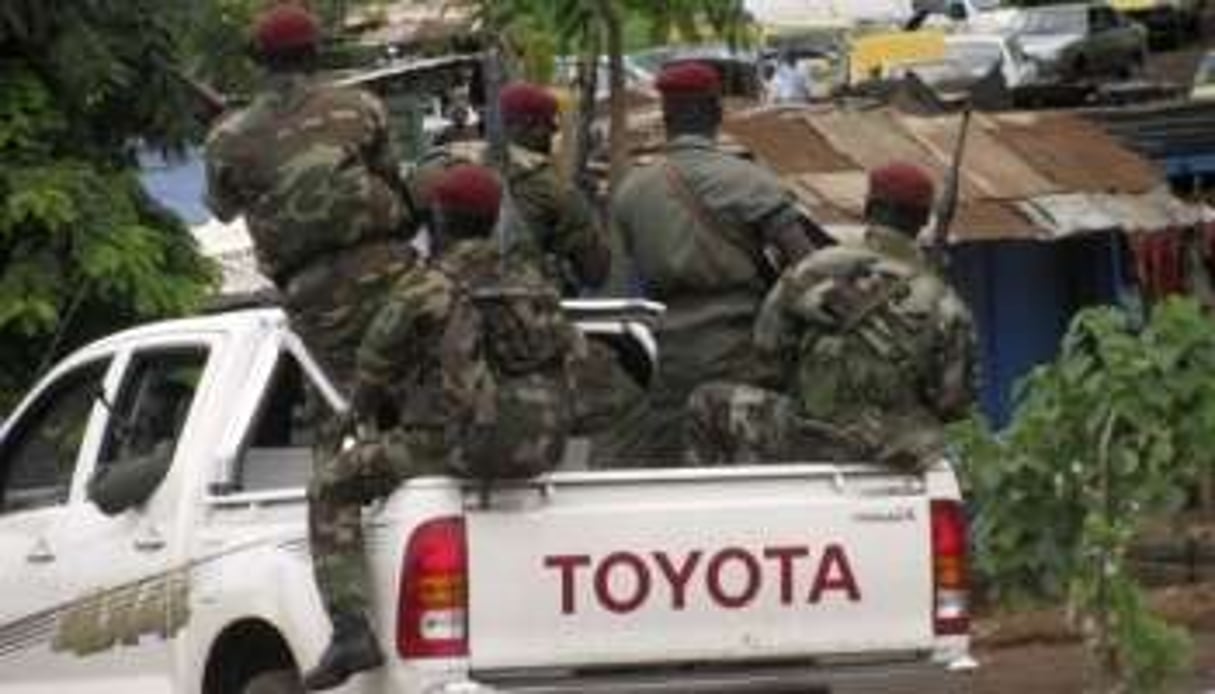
[1023,295]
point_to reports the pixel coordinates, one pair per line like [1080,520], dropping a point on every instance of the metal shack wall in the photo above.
[1023,295]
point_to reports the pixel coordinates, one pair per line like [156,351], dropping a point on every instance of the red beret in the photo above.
[285,27]
[902,184]
[468,188]
[689,79]
[522,101]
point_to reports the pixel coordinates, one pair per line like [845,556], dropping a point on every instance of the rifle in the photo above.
[212,104]
[947,203]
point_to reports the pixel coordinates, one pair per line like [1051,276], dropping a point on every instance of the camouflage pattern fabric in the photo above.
[706,266]
[330,305]
[548,220]
[738,424]
[342,484]
[875,345]
[312,170]
[429,168]
[486,353]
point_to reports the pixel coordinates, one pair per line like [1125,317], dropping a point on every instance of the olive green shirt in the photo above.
[704,259]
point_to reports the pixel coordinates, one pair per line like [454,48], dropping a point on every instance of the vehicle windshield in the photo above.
[986,5]
[1054,22]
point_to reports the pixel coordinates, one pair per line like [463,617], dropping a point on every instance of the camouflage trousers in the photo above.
[740,424]
[346,480]
[331,303]
[737,424]
[653,432]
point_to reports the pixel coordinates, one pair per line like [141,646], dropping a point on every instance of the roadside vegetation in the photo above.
[1116,431]
[83,250]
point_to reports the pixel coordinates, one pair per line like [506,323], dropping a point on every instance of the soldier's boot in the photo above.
[352,649]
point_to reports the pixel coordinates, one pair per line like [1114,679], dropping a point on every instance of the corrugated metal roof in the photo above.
[1036,176]
[770,137]
[1076,155]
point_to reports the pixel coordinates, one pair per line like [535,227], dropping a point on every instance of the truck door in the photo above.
[127,575]
[40,451]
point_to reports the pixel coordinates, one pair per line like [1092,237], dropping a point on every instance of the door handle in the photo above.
[149,541]
[40,553]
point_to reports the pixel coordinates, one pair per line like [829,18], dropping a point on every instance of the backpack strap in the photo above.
[878,301]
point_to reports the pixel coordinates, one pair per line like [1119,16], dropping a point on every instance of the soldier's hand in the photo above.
[366,404]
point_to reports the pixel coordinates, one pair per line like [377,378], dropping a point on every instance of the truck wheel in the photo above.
[274,682]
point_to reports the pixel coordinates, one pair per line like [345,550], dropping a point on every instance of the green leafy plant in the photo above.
[83,249]
[1117,428]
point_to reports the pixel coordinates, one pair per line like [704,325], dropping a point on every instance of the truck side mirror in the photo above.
[126,484]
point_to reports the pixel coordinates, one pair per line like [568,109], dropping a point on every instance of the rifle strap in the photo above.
[706,220]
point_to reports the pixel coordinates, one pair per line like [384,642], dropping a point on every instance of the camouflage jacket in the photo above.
[871,331]
[409,349]
[549,220]
[311,168]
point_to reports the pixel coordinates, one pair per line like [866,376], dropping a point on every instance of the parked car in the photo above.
[1082,41]
[970,58]
[978,54]
[980,16]
[1204,79]
[1168,21]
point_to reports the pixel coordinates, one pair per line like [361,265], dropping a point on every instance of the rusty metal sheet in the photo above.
[787,144]
[843,192]
[990,169]
[1066,215]
[1076,155]
[873,138]
[991,221]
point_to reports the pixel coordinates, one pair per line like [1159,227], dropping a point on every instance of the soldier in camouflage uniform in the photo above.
[455,368]
[311,169]
[877,348]
[546,217]
[421,360]
[697,226]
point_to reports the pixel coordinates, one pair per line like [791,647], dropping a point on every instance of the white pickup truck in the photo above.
[778,579]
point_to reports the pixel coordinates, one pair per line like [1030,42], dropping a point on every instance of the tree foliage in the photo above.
[536,30]
[1119,427]
[83,249]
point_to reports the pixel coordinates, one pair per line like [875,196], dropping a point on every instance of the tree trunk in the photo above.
[618,123]
[588,87]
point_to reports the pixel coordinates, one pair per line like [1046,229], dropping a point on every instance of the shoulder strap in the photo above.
[707,220]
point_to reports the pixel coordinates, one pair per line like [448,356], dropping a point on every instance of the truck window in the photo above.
[151,409]
[278,452]
[1101,19]
[38,458]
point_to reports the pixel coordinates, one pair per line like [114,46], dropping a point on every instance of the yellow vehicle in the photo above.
[879,55]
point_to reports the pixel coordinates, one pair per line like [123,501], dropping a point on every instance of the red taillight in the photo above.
[951,608]
[432,621]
